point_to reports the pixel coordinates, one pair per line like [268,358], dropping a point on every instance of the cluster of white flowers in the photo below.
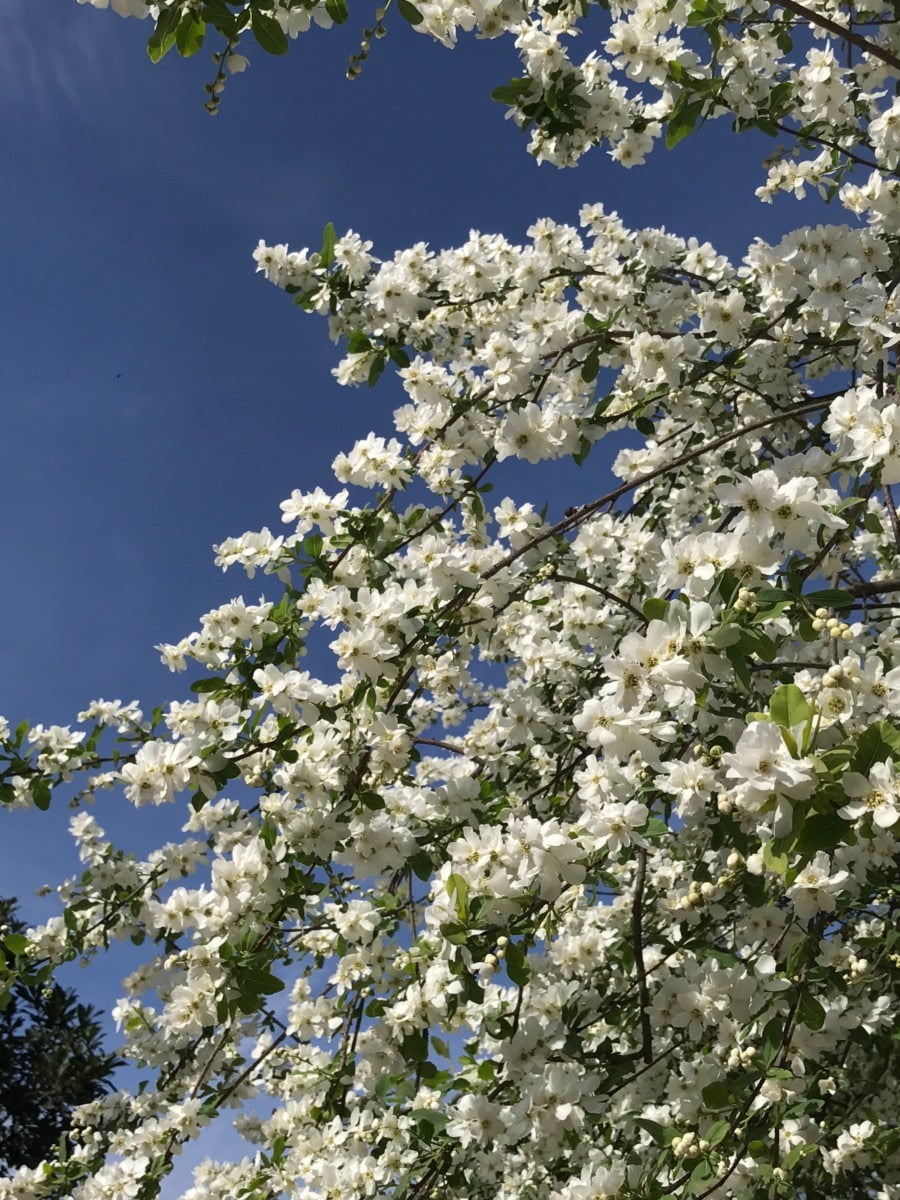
[577,869]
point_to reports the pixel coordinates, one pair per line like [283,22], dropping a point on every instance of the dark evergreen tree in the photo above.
[51,1060]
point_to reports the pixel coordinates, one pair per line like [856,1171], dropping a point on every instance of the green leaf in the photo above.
[329,240]
[683,118]
[878,743]
[772,1038]
[717,1132]
[216,13]
[512,93]
[738,661]
[41,791]
[517,967]
[409,12]
[778,863]
[16,943]
[788,706]
[268,33]
[824,831]
[189,34]
[655,608]
[376,368]
[830,598]
[679,74]
[214,684]
[337,10]
[431,1118]
[754,641]
[717,1094]
[663,1135]
[414,1047]
[700,1176]
[455,933]
[422,866]
[458,889]
[810,1011]
[163,37]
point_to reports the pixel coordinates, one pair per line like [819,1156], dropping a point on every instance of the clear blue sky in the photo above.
[158,395]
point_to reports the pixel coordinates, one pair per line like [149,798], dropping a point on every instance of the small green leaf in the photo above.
[41,792]
[830,598]
[16,943]
[329,240]
[337,10]
[810,1011]
[772,1039]
[422,866]
[376,368]
[661,1134]
[189,34]
[158,48]
[517,967]
[738,661]
[788,706]
[162,39]
[409,12]
[655,608]
[700,1176]
[717,1094]
[430,1117]
[778,863]
[414,1047]
[268,33]
[458,889]
[824,831]
[717,1132]
[878,743]
[683,118]
[207,685]
[512,93]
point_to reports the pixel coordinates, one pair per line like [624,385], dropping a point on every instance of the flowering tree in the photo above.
[575,877]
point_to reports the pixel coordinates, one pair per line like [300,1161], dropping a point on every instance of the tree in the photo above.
[51,1059]
[576,876]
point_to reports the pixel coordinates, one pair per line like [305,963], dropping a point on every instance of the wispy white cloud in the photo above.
[51,57]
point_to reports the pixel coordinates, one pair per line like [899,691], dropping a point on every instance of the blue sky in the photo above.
[159,396]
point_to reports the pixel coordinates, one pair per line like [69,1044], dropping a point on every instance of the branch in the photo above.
[871,588]
[840,31]
[586,510]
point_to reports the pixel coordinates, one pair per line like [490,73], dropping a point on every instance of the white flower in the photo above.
[876,795]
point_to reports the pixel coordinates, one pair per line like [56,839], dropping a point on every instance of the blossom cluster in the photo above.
[592,828]
[817,75]
[530,853]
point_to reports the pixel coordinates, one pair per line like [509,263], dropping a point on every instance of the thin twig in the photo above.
[637,908]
